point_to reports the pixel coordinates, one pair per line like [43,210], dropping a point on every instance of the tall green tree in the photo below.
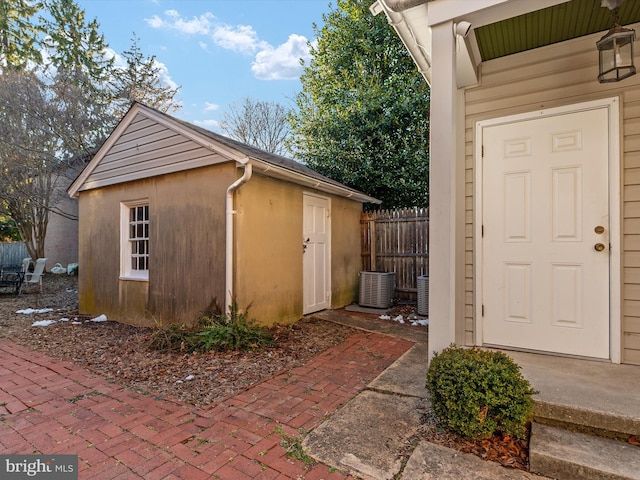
[363,112]
[140,80]
[80,69]
[19,33]
[55,108]
[74,44]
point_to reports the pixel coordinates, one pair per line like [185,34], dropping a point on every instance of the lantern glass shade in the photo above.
[615,50]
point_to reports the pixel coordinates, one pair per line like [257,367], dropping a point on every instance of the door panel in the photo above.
[316,270]
[545,189]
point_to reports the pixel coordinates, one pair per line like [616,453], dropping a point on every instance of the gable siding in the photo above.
[146,149]
[547,77]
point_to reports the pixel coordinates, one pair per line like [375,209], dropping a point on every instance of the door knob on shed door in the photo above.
[599,247]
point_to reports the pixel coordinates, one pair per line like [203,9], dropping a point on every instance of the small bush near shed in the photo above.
[476,393]
[231,331]
[214,331]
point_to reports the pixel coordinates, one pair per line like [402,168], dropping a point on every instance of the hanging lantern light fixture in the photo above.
[615,52]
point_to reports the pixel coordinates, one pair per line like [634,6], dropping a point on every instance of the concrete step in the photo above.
[595,421]
[591,396]
[568,455]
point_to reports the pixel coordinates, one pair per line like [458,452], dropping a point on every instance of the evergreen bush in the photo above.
[476,393]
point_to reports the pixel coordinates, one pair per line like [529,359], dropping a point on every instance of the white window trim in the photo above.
[126,272]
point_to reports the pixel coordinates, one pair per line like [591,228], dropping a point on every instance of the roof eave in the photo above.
[412,23]
[412,20]
[275,171]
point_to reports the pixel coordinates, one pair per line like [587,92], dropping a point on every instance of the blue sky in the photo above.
[218,51]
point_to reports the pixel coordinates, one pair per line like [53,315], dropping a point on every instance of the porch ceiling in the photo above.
[550,25]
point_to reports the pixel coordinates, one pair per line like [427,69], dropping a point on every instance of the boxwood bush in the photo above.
[477,393]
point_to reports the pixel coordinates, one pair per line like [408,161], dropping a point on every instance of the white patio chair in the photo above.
[35,277]
[25,264]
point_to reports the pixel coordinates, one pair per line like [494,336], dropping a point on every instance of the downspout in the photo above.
[228,298]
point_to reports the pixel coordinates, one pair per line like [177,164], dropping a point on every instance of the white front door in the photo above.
[316,254]
[545,240]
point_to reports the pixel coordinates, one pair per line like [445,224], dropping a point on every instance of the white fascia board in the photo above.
[281,173]
[412,26]
[484,12]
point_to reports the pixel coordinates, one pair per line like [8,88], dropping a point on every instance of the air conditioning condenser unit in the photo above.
[377,289]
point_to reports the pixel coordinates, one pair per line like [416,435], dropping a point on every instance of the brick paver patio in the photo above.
[49,407]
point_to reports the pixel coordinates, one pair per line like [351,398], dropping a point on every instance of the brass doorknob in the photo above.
[599,247]
[599,229]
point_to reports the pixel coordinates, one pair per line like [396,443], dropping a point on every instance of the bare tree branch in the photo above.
[258,123]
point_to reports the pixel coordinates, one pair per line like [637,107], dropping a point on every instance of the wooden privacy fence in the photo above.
[12,253]
[397,241]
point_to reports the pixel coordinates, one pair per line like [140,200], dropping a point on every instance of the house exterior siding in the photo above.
[269,252]
[553,76]
[345,251]
[187,253]
[61,244]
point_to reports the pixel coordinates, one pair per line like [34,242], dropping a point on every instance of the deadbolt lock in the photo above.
[599,247]
[599,229]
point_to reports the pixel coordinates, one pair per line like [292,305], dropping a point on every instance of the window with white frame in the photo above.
[134,263]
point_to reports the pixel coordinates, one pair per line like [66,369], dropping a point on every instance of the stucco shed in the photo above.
[173,216]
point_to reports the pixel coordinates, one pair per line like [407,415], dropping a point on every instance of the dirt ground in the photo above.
[122,353]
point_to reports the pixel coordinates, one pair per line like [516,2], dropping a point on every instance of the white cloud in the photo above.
[155,22]
[163,75]
[118,61]
[163,70]
[283,61]
[210,107]
[200,25]
[241,38]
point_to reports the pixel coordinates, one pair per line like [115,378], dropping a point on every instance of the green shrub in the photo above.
[476,393]
[174,338]
[231,331]
[214,331]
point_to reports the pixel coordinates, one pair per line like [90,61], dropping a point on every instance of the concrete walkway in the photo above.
[365,436]
[590,396]
[54,407]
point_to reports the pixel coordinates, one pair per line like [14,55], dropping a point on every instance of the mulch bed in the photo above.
[504,449]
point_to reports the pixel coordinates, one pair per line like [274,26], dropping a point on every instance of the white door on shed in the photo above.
[316,257]
[545,215]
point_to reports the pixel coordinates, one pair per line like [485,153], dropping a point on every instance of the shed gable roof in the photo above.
[148,143]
